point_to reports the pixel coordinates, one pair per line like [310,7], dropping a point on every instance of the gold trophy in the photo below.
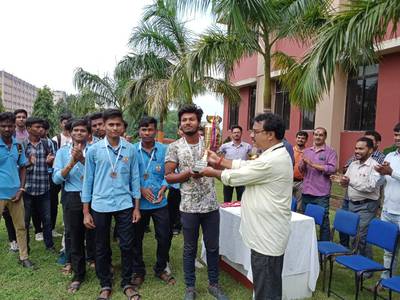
[212,141]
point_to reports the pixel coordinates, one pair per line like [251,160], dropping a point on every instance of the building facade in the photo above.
[369,99]
[16,93]
[59,96]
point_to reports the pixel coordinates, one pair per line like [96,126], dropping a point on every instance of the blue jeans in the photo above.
[387,256]
[324,231]
[41,205]
[209,223]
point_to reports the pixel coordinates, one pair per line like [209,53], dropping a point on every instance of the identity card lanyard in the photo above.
[113,173]
[146,172]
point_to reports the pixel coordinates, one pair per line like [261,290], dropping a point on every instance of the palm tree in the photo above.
[156,71]
[252,27]
[106,90]
[348,39]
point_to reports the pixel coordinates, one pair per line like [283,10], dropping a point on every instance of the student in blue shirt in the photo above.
[69,169]
[153,203]
[12,182]
[111,188]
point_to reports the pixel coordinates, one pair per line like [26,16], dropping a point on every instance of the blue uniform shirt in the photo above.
[10,160]
[108,194]
[74,180]
[156,171]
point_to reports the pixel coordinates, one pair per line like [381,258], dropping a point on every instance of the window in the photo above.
[307,119]
[233,115]
[362,88]
[282,104]
[252,106]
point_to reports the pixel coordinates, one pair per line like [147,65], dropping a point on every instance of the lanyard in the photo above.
[200,151]
[151,157]
[113,166]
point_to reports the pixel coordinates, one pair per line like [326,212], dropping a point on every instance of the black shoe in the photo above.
[26,263]
[176,232]
[190,294]
[216,291]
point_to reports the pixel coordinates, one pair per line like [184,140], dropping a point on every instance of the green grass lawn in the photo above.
[47,282]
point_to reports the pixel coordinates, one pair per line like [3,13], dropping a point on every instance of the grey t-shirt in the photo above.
[197,195]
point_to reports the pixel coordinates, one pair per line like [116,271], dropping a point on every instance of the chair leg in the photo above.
[390,294]
[357,282]
[330,276]
[361,281]
[324,273]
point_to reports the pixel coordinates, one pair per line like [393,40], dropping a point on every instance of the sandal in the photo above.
[108,297]
[74,287]
[137,280]
[134,296]
[167,278]
[67,269]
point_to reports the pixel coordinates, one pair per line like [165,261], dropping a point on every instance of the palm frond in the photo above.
[222,88]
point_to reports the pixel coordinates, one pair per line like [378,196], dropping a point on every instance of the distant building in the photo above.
[59,96]
[16,93]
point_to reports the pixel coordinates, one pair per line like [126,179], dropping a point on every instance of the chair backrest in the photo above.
[294,204]
[382,234]
[346,222]
[315,211]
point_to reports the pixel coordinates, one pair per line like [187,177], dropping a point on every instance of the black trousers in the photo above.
[174,200]
[74,217]
[12,235]
[54,190]
[125,231]
[267,276]
[228,192]
[41,205]
[209,223]
[162,230]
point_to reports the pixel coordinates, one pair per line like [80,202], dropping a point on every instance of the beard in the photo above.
[190,132]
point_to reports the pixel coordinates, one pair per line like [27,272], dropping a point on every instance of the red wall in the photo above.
[245,68]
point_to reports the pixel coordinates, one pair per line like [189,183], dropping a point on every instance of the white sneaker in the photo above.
[55,234]
[39,236]
[198,264]
[14,246]
[168,268]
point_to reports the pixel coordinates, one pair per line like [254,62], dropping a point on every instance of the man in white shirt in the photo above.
[363,184]
[391,204]
[265,215]
[64,137]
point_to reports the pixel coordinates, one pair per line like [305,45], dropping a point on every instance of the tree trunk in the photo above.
[267,81]
[160,135]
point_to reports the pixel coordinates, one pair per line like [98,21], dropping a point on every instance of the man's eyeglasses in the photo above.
[255,132]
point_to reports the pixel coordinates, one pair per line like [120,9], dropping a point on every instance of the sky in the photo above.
[44,41]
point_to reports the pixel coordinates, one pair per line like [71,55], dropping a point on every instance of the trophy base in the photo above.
[199,165]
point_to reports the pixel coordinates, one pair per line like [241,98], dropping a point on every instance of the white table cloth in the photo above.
[301,262]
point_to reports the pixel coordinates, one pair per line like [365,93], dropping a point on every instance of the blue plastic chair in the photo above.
[381,234]
[392,284]
[294,204]
[316,212]
[345,222]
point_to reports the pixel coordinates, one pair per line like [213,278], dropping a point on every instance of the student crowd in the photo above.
[101,175]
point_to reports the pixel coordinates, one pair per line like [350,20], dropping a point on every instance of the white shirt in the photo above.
[364,182]
[391,202]
[265,220]
[65,140]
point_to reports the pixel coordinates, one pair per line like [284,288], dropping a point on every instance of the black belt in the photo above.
[362,201]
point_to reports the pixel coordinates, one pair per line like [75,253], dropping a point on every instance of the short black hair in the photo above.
[65,116]
[146,121]
[375,134]
[112,113]
[302,133]
[237,126]
[46,125]
[272,122]
[33,120]
[397,128]
[95,116]
[20,110]
[7,117]
[81,122]
[368,141]
[190,109]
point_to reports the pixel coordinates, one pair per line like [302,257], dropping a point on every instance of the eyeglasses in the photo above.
[255,132]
